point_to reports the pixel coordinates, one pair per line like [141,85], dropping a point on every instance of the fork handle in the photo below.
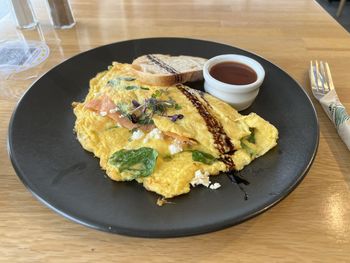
[336,112]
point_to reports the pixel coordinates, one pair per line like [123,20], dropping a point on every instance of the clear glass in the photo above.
[24,14]
[61,15]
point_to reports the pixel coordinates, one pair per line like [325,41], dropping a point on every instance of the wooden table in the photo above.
[311,224]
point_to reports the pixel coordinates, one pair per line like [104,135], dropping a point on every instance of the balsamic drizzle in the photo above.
[165,66]
[235,179]
[222,141]
[201,93]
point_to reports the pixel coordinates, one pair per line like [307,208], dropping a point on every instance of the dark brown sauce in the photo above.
[233,73]
[221,140]
[238,180]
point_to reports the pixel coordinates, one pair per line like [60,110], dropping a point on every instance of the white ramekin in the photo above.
[239,96]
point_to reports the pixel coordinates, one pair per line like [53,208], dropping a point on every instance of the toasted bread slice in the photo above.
[166,70]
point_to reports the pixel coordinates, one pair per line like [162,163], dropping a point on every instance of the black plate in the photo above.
[52,164]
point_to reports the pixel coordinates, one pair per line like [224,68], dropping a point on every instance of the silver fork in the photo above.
[323,89]
[321,78]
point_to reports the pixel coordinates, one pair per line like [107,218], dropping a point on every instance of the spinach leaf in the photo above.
[251,136]
[139,162]
[248,149]
[203,157]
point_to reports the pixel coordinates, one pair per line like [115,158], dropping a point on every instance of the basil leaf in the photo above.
[139,162]
[203,157]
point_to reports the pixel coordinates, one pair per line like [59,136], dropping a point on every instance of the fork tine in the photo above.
[325,80]
[316,74]
[319,80]
[329,76]
[312,75]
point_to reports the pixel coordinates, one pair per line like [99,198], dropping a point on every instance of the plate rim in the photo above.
[208,228]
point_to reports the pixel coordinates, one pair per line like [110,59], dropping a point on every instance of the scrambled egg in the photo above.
[119,122]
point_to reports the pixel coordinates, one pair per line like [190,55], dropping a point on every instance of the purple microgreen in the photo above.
[142,113]
[135,103]
[133,118]
[176,117]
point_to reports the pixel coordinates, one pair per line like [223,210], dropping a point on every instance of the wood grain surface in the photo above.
[311,225]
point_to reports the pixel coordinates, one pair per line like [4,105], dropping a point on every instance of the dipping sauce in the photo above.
[233,73]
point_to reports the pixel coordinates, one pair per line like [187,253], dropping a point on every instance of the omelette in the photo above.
[167,138]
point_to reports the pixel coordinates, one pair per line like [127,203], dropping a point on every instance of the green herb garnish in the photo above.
[113,82]
[157,94]
[203,157]
[126,78]
[251,136]
[123,108]
[144,88]
[145,120]
[132,87]
[167,158]
[140,162]
[178,107]
[248,149]
[116,81]
[143,112]
[113,127]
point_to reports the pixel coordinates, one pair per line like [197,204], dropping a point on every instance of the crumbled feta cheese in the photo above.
[200,178]
[175,147]
[153,134]
[113,110]
[138,134]
[103,113]
[81,137]
[215,186]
